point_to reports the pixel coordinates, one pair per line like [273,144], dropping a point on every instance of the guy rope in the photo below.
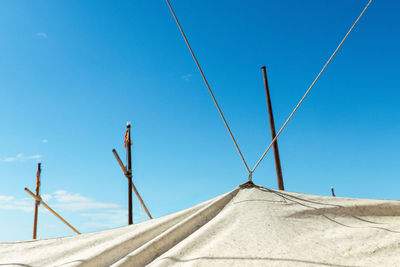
[295,109]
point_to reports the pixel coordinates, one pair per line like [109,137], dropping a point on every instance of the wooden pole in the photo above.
[120,162]
[273,133]
[35,219]
[141,201]
[51,210]
[129,171]
[133,186]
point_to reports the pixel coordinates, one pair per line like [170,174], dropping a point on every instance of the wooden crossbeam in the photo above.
[133,186]
[51,210]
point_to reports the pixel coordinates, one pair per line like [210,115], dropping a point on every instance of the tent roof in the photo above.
[247,226]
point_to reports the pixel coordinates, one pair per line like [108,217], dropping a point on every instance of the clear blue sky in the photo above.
[72,73]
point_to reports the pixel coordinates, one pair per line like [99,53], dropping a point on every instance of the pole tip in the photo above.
[263,67]
[128,124]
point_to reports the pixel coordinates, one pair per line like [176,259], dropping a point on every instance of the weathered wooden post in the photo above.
[273,133]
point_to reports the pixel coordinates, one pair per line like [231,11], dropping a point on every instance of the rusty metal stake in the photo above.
[35,219]
[333,191]
[51,210]
[273,133]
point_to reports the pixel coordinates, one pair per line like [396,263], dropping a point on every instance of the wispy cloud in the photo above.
[41,34]
[186,77]
[5,198]
[11,203]
[46,197]
[105,219]
[61,200]
[76,202]
[44,141]
[20,158]
[97,215]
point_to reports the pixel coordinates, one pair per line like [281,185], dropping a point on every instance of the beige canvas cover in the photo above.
[252,226]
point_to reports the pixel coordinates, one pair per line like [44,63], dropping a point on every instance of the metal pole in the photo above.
[35,219]
[333,191]
[273,133]
[129,170]
[51,210]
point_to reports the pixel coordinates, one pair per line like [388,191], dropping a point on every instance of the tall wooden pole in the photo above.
[35,219]
[129,170]
[273,133]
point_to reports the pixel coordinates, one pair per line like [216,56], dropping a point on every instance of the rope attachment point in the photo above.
[250,176]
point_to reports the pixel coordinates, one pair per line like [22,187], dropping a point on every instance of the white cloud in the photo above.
[65,197]
[59,200]
[20,158]
[33,157]
[76,202]
[97,225]
[44,141]
[10,203]
[6,198]
[97,215]
[41,34]
[186,77]
[105,219]
[46,197]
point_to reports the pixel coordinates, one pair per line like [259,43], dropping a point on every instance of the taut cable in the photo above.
[209,89]
[312,85]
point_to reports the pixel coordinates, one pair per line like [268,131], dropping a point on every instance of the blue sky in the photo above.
[72,74]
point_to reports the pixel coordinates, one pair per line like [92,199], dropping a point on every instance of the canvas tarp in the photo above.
[246,227]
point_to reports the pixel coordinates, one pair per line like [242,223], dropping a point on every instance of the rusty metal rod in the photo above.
[333,191]
[129,171]
[273,133]
[133,186]
[51,210]
[35,219]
